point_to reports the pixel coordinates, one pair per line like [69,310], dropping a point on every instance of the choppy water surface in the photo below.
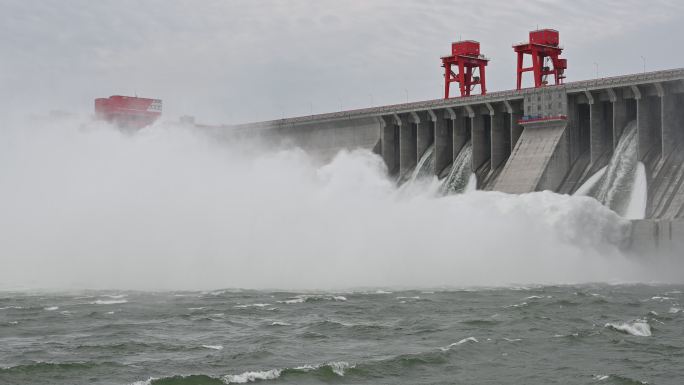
[540,335]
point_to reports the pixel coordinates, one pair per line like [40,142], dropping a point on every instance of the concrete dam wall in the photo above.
[552,138]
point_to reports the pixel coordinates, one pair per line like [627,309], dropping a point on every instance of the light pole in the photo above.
[406,90]
[644,60]
[597,71]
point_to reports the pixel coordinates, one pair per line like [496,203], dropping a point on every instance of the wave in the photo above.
[293,301]
[639,328]
[41,368]
[252,376]
[615,379]
[214,347]
[109,301]
[357,327]
[516,305]
[115,296]
[461,342]
[280,323]
[326,371]
[661,298]
[313,298]
[196,379]
[254,305]
[481,322]
[51,308]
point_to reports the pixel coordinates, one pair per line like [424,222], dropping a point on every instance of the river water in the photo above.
[588,334]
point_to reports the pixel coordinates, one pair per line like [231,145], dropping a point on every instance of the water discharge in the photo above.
[425,165]
[461,177]
[621,185]
[86,206]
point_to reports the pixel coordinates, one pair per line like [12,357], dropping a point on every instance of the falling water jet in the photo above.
[425,165]
[621,185]
[461,177]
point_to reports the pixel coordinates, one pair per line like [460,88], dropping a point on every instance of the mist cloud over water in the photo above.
[87,206]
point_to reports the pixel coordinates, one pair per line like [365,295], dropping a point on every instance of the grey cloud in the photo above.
[246,60]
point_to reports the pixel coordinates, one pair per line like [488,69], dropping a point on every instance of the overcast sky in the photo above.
[245,60]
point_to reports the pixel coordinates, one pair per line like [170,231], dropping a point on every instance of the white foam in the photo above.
[522,304]
[280,323]
[51,308]
[382,292]
[601,377]
[461,342]
[306,297]
[109,301]
[512,339]
[214,347]
[11,307]
[146,382]
[293,301]
[115,296]
[337,367]
[674,310]
[637,328]
[414,297]
[258,305]
[252,376]
[575,240]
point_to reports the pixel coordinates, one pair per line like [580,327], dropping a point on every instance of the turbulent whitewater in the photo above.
[169,207]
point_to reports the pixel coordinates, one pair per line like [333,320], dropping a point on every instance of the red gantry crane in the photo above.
[465,55]
[545,51]
[128,111]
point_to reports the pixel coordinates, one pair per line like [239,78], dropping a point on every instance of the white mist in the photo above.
[86,206]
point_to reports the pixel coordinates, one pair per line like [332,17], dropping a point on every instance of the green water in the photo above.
[595,334]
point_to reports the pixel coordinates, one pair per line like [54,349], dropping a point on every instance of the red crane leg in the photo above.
[447,79]
[520,70]
[483,82]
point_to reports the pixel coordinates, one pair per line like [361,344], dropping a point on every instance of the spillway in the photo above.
[621,185]
[460,176]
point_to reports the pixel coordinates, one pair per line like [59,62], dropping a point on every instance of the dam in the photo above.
[549,138]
